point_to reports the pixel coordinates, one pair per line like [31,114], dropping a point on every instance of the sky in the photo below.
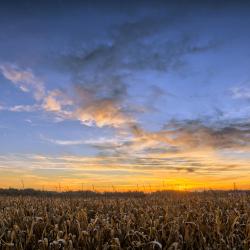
[111,95]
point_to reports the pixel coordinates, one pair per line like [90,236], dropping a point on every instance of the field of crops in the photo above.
[157,221]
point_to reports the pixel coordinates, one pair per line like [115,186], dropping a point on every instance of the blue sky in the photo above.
[115,83]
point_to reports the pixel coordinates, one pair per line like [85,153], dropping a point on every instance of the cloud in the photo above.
[179,137]
[21,108]
[220,135]
[24,79]
[101,102]
[24,108]
[178,169]
[56,100]
[101,113]
[51,103]
[91,142]
[241,92]
[140,44]
[65,142]
[102,71]
[92,104]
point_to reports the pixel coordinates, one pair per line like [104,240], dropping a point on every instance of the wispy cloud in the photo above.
[24,79]
[64,142]
[241,92]
[22,108]
[91,142]
[208,170]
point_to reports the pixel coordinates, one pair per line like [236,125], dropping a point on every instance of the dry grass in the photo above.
[187,221]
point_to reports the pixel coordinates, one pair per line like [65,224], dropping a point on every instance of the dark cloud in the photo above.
[103,71]
[222,135]
[179,137]
[189,164]
[144,44]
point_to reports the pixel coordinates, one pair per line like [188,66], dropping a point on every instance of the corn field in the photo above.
[155,221]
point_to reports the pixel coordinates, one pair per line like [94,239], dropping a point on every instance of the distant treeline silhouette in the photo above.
[84,193]
[89,193]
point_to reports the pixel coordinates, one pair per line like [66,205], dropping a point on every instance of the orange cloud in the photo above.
[86,106]
[55,101]
[101,113]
